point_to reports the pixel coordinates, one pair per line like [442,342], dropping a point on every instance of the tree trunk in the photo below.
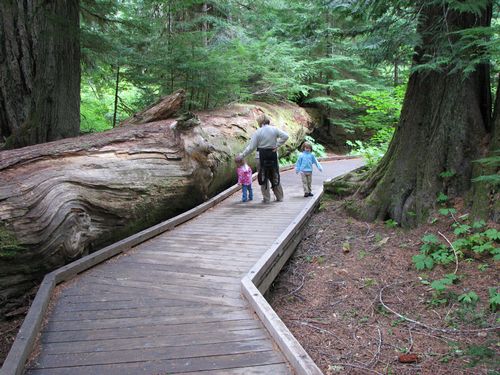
[63,199]
[444,122]
[39,71]
[117,87]
[163,109]
[486,197]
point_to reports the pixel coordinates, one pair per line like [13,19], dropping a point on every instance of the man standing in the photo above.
[266,140]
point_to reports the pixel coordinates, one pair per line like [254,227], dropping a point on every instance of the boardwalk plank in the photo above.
[149,330]
[61,315]
[152,354]
[164,367]
[155,340]
[215,316]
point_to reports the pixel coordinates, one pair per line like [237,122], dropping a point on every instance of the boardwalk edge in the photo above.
[260,277]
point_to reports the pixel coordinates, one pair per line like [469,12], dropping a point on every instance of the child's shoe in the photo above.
[306,195]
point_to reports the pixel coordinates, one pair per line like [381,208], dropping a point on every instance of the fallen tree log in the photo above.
[63,199]
[163,109]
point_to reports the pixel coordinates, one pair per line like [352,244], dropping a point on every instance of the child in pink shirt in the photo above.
[244,179]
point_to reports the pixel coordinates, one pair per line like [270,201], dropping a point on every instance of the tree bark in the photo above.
[39,71]
[163,109]
[444,122]
[486,195]
[63,199]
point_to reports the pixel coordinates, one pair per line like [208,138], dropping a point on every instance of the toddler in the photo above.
[304,166]
[244,179]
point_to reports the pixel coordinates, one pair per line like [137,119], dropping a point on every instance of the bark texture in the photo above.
[486,197]
[63,199]
[39,71]
[165,108]
[444,124]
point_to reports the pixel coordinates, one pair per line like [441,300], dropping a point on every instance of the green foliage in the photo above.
[494,299]
[432,252]
[447,211]
[492,161]
[440,285]
[442,198]
[391,223]
[382,107]
[470,298]
[447,174]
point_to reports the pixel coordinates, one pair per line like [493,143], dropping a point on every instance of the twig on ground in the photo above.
[411,341]
[296,289]
[376,356]
[316,328]
[453,331]
[454,251]
[355,366]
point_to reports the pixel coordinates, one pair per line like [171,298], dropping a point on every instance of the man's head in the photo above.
[262,120]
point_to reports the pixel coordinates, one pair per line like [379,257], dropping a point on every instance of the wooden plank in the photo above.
[204,255]
[25,339]
[59,315]
[154,340]
[186,269]
[152,354]
[146,288]
[149,330]
[193,259]
[136,273]
[107,294]
[128,304]
[280,369]
[195,281]
[170,366]
[135,322]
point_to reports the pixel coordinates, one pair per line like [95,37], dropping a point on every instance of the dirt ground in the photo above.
[353,298]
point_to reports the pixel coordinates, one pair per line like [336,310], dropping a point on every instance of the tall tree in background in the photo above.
[39,71]
[444,121]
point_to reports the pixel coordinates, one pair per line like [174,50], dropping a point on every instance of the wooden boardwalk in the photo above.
[173,304]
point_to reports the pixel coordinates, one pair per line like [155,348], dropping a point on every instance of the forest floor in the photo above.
[353,298]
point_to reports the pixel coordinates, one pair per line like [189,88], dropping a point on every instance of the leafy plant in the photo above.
[440,285]
[442,198]
[391,223]
[470,298]
[494,299]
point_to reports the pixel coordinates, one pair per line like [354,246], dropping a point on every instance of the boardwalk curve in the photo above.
[173,304]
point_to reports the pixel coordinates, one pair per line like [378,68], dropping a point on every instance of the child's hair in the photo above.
[239,160]
[306,145]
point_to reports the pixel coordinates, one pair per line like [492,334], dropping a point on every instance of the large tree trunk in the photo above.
[63,199]
[486,197]
[39,71]
[444,122]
